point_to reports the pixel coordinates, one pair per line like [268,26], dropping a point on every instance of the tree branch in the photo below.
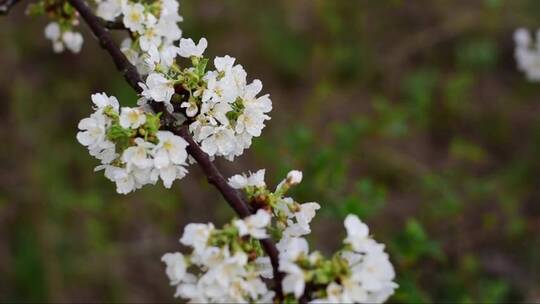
[113,25]
[214,176]
[6,5]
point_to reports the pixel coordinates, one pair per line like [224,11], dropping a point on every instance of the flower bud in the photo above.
[294,177]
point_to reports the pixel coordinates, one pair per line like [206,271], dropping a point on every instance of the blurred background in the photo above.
[410,114]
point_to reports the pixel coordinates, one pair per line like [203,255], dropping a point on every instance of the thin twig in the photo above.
[214,176]
[6,5]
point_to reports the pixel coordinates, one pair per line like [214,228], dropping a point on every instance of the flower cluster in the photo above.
[527,54]
[227,263]
[230,112]
[224,109]
[132,149]
[292,218]
[360,272]
[221,108]
[63,38]
[60,31]
[223,112]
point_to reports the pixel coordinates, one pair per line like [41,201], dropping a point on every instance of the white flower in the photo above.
[257,179]
[158,88]
[263,103]
[171,149]
[239,76]
[357,233]
[110,9]
[294,281]
[284,205]
[303,219]
[191,291]
[170,157]
[168,28]
[307,212]
[138,155]
[290,248]
[101,100]
[294,177]
[176,266]
[132,118]
[125,182]
[522,37]
[238,181]
[144,176]
[189,49]
[151,57]
[167,25]
[210,256]
[149,38]
[171,173]
[134,17]
[527,54]
[93,130]
[334,294]
[168,54]
[224,64]
[221,142]
[264,267]
[73,41]
[231,267]
[139,61]
[219,89]
[251,121]
[196,235]
[52,31]
[58,46]
[254,225]
[375,274]
[104,151]
[241,181]
[191,108]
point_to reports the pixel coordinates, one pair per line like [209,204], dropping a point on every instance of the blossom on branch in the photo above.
[132,150]
[358,273]
[222,111]
[226,269]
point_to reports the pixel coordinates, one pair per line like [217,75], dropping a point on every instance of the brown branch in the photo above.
[6,5]
[233,197]
[214,176]
[212,173]
[113,25]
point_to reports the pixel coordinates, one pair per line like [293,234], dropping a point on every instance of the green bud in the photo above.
[201,67]
[152,123]
[68,9]
[120,136]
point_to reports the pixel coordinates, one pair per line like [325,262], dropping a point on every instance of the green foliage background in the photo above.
[410,114]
